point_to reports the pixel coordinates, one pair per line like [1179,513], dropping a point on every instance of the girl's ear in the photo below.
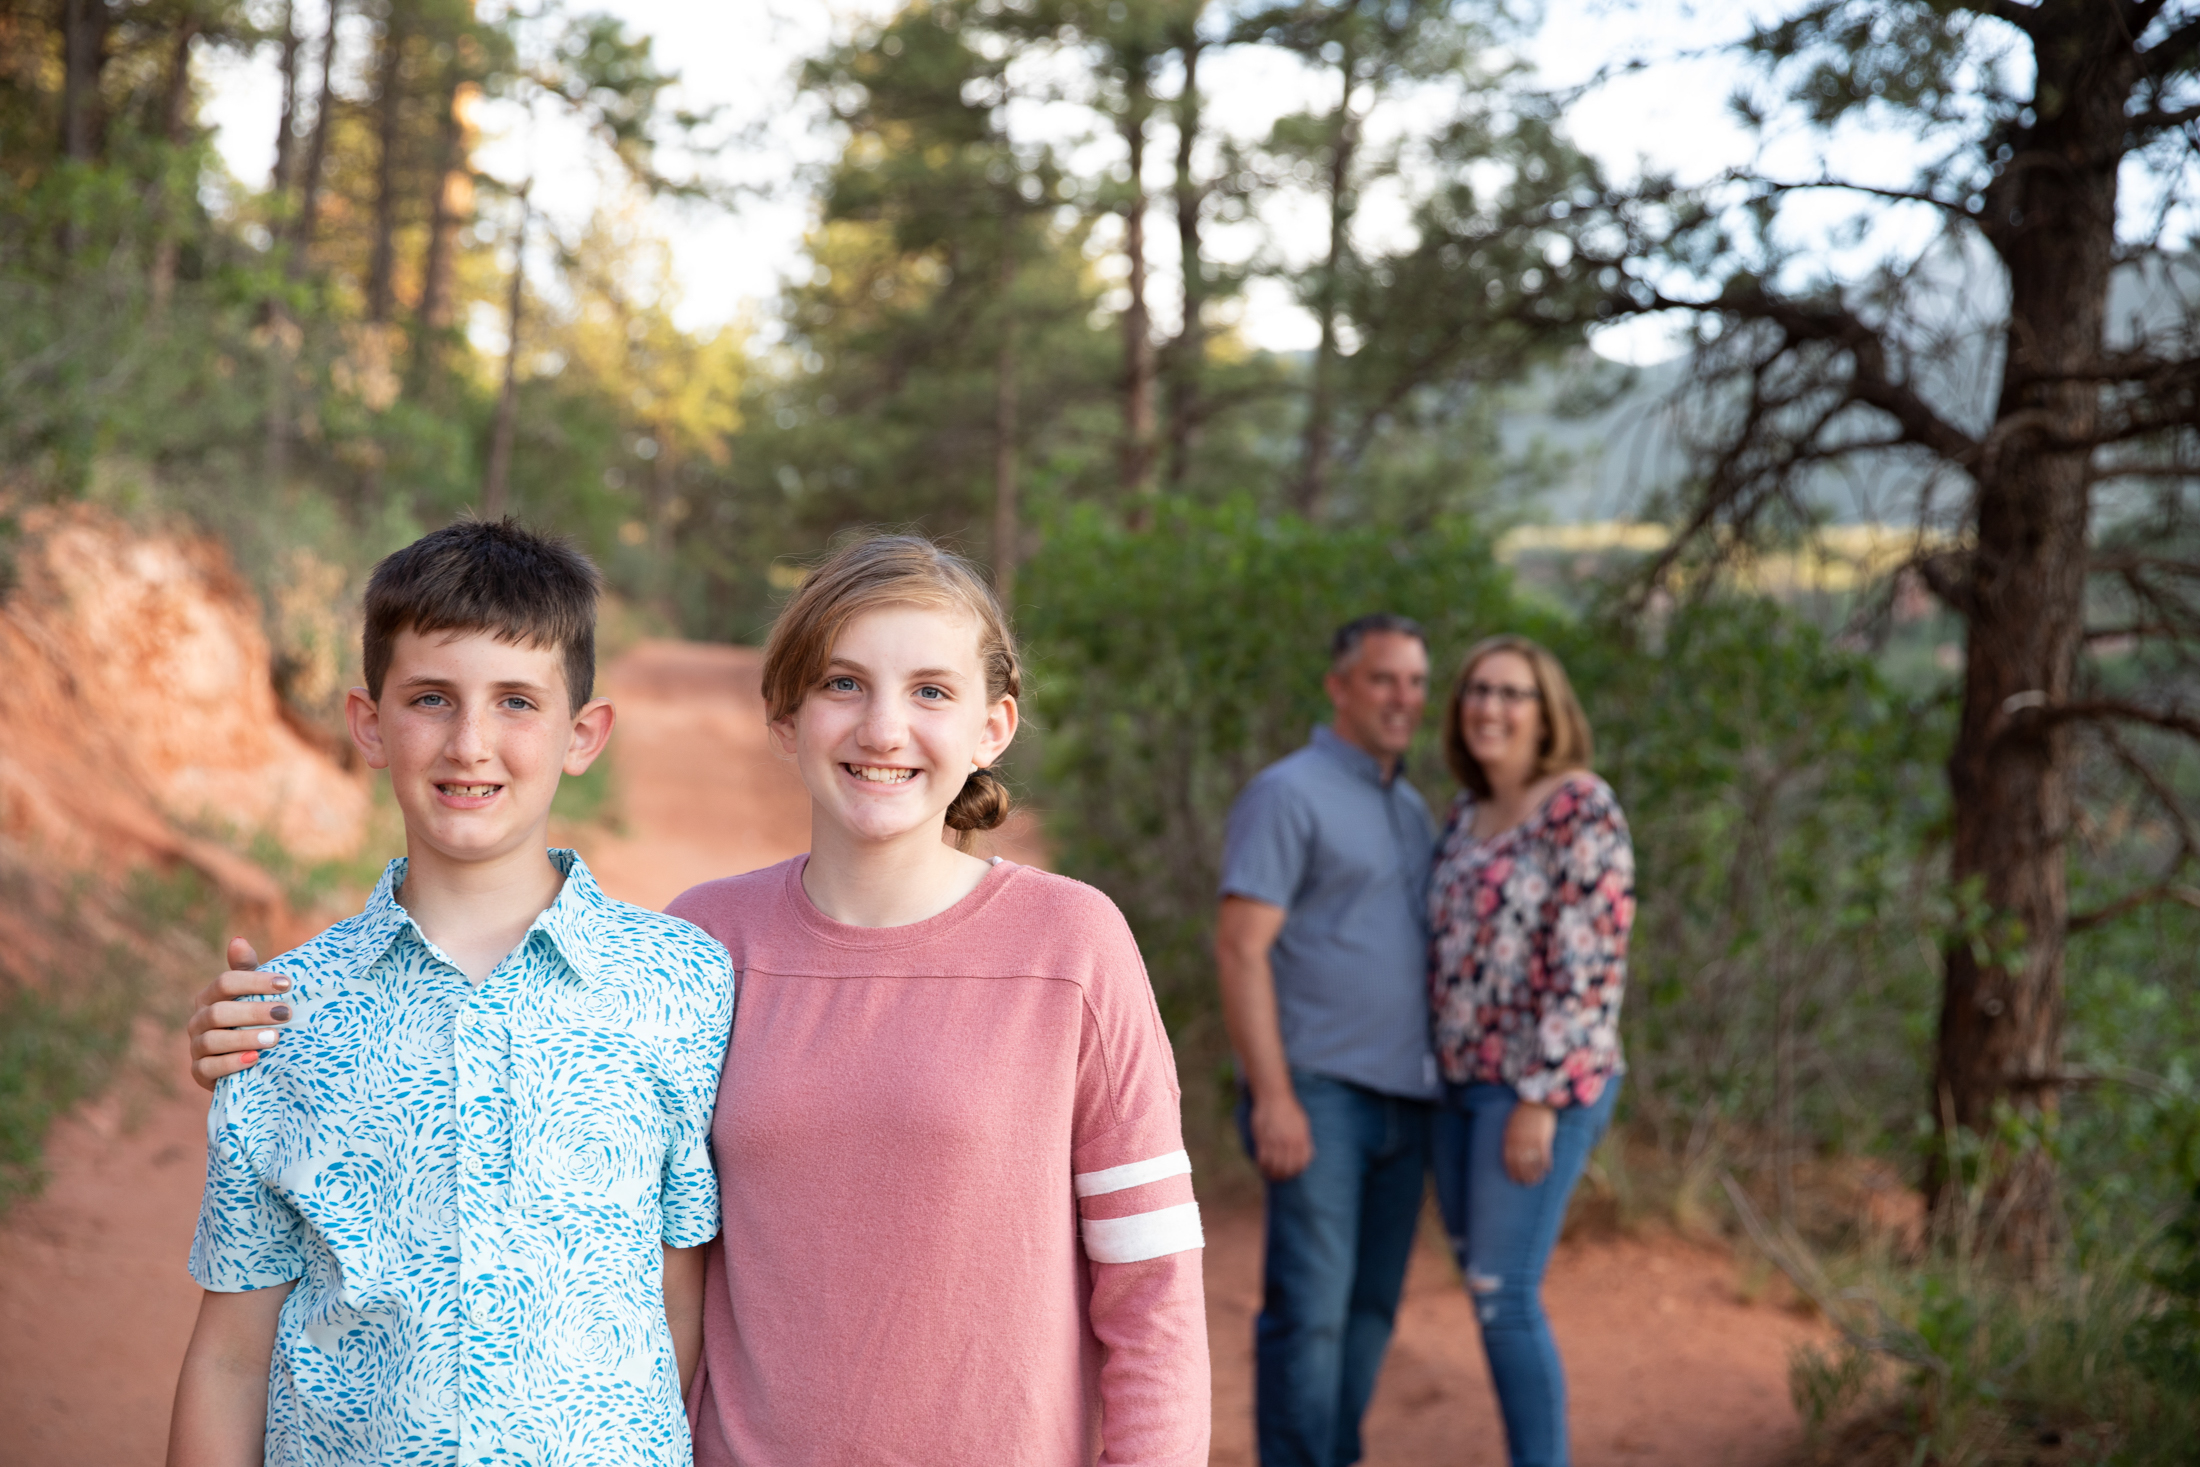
[1001,721]
[781,732]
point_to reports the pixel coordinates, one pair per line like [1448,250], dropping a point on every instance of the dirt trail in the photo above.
[1668,1365]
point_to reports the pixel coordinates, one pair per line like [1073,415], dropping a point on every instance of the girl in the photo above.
[959,1223]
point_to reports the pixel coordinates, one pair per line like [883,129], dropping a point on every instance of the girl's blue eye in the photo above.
[841,684]
[928,691]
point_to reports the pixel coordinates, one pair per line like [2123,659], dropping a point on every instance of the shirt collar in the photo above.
[570,922]
[573,921]
[1355,758]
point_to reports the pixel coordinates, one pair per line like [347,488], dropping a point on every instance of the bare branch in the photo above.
[1897,195]
[2174,51]
[1872,383]
[2158,120]
[2114,710]
[2132,902]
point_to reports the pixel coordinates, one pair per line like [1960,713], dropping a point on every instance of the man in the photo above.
[1322,948]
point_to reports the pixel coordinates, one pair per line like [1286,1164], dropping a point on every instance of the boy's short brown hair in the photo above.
[494,576]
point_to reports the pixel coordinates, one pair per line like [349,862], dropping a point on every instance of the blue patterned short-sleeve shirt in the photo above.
[470,1186]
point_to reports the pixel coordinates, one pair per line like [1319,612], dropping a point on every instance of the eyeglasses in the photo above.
[1511,697]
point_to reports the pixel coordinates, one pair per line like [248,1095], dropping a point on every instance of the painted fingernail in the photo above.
[266,1037]
[282,985]
[279,1013]
[251,1057]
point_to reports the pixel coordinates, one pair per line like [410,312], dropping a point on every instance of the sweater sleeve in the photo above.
[1587,917]
[1139,1221]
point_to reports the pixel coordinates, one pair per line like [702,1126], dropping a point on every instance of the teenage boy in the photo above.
[1322,947]
[458,1215]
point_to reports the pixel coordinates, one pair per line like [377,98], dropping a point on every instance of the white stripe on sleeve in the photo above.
[1132,1174]
[1144,1235]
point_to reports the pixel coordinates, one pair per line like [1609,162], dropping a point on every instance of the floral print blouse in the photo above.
[1528,947]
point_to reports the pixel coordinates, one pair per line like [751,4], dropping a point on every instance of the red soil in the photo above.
[1668,1364]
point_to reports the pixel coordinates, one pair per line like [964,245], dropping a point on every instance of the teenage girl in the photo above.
[958,1215]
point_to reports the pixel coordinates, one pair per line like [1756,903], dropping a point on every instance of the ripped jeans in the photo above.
[1502,1234]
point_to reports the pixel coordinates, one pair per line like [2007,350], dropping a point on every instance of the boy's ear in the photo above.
[591,731]
[364,717]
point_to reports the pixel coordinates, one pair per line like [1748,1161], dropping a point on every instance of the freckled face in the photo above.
[475,732]
[896,724]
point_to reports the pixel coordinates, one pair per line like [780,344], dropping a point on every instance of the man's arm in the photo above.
[227,1036]
[1283,1143]
[684,1308]
[220,1418]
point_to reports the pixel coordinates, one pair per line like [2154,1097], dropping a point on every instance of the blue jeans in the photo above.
[1502,1234]
[1339,1235]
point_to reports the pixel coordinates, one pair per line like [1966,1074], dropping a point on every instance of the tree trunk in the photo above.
[309,185]
[84,56]
[1313,488]
[1187,354]
[2002,1008]
[1138,362]
[493,495]
[388,108]
[1005,531]
[174,118]
[445,205]
[286,141]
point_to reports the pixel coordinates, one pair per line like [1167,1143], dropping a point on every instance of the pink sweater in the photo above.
[959,1225]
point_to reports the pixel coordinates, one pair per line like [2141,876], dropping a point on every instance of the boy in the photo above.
[437,1218]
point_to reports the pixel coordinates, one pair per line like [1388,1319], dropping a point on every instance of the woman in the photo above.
[958,1222]
[1530,904]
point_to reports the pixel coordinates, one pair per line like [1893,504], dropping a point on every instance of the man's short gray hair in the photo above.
[1348,637]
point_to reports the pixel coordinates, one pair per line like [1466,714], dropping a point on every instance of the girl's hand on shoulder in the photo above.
[226,1035]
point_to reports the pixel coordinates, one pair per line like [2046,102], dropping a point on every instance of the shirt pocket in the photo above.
[589,1125]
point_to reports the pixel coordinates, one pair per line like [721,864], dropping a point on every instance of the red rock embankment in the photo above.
[139,723]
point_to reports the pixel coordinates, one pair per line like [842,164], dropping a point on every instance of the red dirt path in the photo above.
[1668,1365]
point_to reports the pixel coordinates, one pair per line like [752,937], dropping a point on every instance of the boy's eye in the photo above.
[432,700]
[518,703]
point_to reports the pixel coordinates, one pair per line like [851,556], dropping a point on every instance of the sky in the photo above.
[740,55]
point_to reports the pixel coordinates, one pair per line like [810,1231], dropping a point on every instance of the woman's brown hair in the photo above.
[894,570]
[1566,742]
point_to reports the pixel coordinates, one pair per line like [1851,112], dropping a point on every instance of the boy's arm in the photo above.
[683,1309]
[220,1418]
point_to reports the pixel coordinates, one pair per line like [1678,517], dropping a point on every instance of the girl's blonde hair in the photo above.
[1566,743]
[894,570]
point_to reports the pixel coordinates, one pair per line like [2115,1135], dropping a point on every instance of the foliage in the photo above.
[64,1037]
[1783,801]
[1173,661]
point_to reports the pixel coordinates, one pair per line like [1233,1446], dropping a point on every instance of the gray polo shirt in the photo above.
[1346,855]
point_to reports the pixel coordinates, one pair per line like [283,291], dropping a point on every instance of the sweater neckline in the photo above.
[908,934]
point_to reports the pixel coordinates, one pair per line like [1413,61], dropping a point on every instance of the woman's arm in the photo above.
[220,1418]
[1581,938]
